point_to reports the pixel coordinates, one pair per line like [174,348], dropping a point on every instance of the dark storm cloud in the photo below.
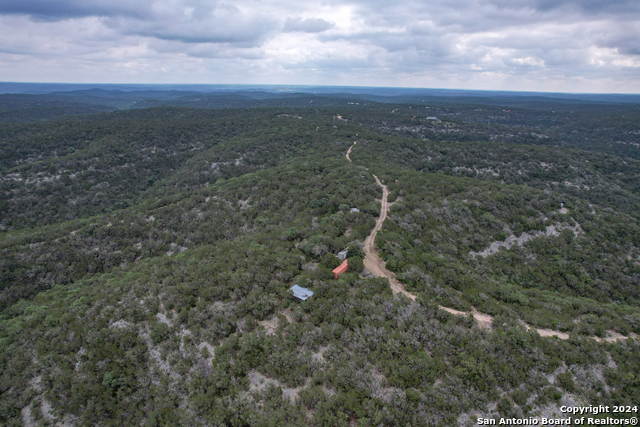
[190,21]
[591,6]
[309,25]
[629,47]
[625,37]
[219,26]
[64,9]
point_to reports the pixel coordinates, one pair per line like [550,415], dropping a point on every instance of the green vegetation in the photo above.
[577,268]
[146,257]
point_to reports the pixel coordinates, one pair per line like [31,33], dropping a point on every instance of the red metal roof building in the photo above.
[340,269]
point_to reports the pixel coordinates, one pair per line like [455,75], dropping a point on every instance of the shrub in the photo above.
[356,265]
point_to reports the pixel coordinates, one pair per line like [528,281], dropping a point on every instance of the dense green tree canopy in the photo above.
[146,258]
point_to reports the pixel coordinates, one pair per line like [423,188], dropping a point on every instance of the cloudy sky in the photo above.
[546,45]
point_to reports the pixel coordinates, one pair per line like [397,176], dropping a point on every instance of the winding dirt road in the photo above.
[485,321]
[372,261]
[376,266]
[349,151]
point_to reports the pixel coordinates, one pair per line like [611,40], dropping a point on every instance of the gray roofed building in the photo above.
[301,293]
[342,255]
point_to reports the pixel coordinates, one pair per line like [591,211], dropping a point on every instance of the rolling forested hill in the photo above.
[146,256]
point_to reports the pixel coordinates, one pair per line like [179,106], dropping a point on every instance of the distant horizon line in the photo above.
[409,88]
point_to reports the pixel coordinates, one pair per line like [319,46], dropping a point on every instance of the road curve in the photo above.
[349,151]
[372,261]
[376,266]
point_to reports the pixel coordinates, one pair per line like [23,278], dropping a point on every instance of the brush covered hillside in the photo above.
[146,257]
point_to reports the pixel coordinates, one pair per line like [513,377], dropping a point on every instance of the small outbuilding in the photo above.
[301,293]
[354,210]
[342,255]
[342,268]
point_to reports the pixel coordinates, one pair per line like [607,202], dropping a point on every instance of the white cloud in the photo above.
[577,45]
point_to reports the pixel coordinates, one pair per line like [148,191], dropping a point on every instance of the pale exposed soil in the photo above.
[376,266]
[211,349]
[319,355]
[270,326]
[614,336]
[349,150]
[485,321]
[27,418]
[551,333]
[372,261]
[258,382]
[551,230]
